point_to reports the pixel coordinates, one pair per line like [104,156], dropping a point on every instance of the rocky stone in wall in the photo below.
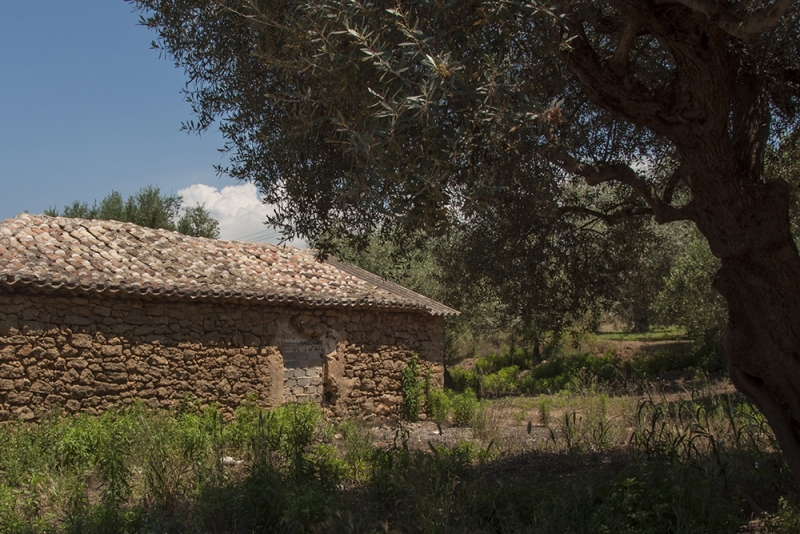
[91,353]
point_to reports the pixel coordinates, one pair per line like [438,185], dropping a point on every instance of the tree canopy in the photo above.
[147,207]
[398,115]
[364,114]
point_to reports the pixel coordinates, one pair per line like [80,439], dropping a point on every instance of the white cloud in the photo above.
[239,210]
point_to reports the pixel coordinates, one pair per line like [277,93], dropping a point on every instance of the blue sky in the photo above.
[87,107]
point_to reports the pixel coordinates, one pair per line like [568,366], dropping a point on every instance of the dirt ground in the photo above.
[513,423]
[524,448]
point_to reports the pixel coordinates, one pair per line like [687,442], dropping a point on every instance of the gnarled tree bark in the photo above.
[715,112]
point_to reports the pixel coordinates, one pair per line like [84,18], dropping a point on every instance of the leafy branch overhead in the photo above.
[371,114]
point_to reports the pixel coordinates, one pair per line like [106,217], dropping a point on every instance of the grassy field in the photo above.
[629,451]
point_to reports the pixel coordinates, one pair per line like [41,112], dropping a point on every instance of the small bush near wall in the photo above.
[412,389]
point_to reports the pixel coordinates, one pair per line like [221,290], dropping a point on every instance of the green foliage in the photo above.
[509,356]
[465,407]
[784,164]
[357,449]
[571,367]
[544,405]
[561,372]
[198,222]
[465,378]
[672,333]
[364,116]
[10,522]
[141,470]
[702,356]
[546,268]
[495,374]
[169,461]
[787,518]
[147,207]
[439,405]
[503,382]
[411,389]
[687,299]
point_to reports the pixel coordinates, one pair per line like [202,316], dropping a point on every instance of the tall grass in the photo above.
[705,463]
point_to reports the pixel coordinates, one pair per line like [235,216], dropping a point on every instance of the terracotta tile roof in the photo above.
[60,254]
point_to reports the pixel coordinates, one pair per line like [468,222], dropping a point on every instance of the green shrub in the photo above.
[560,372]
[465,379]
[357,449]
[438,404]
[502,382]
[411,389]
[464,406]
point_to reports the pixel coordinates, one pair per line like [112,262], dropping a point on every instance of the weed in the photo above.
[545,406]
[439,405]
[10,521]
[688,467]
[357,449]
[464,406]
[411,389]
[787,518]
[519,417]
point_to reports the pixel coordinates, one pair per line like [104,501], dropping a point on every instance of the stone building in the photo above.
[97,313]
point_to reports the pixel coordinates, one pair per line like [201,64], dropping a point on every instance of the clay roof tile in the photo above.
[95,256]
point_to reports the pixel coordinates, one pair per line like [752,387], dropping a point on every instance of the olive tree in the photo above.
[404,114]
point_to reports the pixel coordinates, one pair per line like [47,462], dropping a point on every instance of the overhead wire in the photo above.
[256,237]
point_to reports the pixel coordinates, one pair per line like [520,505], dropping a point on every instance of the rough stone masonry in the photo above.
[90,337]
[86,354]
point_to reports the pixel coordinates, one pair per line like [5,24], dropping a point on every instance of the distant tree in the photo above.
[147,207]
[112,207]
[784,165]
[651,253]
[198,222]
[686,298]
[546,263]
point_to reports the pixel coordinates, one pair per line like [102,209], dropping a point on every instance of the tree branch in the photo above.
[609,84]
[749,28]
[608,218]
[672,183]
[619,61]
[621,173]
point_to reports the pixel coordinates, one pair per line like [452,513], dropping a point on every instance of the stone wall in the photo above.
[90,352]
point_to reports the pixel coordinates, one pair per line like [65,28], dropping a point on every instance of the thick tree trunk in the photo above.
[748,229]
[762,340]
[641,321]
[715,107]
